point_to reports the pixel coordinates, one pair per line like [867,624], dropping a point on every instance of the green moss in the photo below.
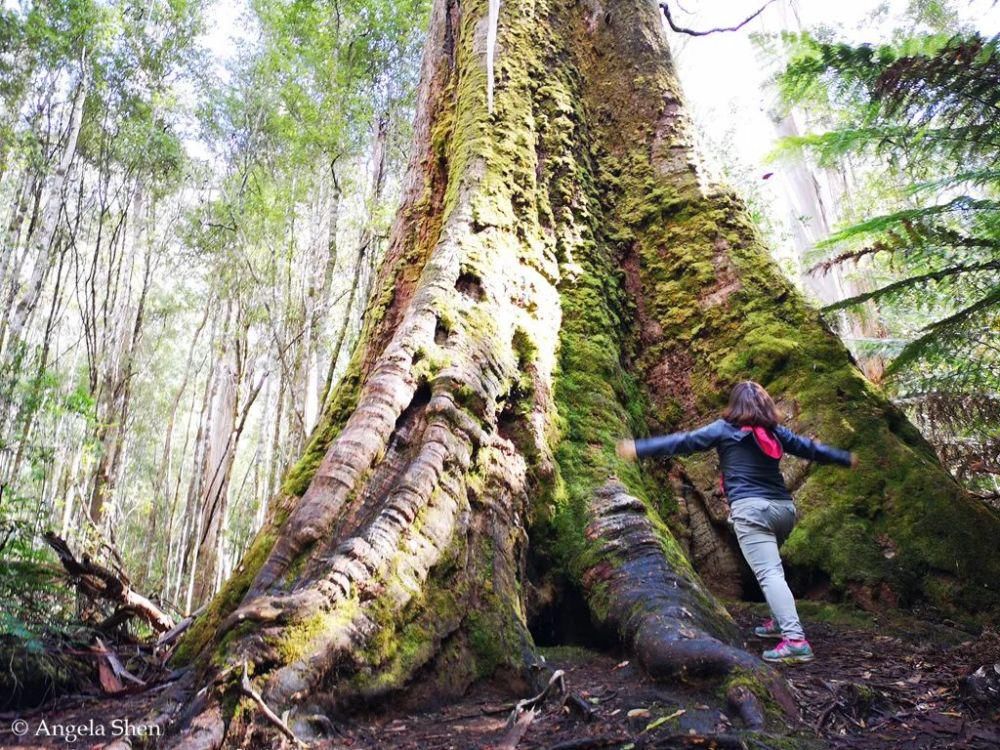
[766,350]
[597,401]
[718,297]
[298,639]
[396,653]
[458,626]
[756,683]
[567,654]
[840,614]
[228,599]
[342,405]
[898,525]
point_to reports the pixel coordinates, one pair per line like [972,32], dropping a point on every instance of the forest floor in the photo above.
[874,684]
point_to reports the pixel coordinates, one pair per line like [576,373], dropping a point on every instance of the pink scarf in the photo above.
[765,441]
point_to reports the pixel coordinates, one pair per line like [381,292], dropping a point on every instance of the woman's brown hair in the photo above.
[751,406]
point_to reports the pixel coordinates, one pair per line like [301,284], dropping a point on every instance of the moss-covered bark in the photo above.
[713,309]
[551,259]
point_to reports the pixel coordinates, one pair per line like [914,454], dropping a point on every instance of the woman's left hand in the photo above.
[626,449]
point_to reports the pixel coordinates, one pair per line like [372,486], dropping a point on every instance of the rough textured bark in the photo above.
[557,277]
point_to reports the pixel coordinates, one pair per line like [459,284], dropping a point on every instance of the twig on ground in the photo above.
[517,730]
[824,716]
[556,681]
[579,705]
[248,690]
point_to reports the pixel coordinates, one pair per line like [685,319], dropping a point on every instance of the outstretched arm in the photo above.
[676,444]
[813,450]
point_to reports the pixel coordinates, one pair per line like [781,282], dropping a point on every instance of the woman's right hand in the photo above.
[626,449]
[854,460]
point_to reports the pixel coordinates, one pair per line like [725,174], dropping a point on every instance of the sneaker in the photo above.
[790,652]
[768,629]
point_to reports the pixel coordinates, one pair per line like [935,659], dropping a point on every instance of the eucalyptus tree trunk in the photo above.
[44,237]
[220,451]
[365,250]
[114,325]
[233,401]
[557,277]
[19,209]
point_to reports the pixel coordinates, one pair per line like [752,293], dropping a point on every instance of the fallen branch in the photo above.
[98,582]
[517,731]
[116,665]
[174,633]
[692,32]
[248,690]
[556,681]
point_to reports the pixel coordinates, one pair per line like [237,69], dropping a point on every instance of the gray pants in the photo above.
[761,527]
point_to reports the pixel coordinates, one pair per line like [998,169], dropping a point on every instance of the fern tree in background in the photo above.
[926,112]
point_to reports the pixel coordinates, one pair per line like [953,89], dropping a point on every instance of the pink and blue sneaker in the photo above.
[790,652]
[768,629]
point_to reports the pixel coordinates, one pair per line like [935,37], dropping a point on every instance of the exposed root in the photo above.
[657,605]
[205,731]
[747,705]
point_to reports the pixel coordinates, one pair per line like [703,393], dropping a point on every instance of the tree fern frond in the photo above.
[912,281]
[827,265]
[906,217]
[986,176]
[947,326]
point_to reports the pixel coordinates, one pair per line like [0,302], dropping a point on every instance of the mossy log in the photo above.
[557,277]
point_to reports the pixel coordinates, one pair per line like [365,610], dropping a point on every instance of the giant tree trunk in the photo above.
[557,277]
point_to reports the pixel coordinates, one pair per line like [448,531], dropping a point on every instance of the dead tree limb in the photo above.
[98,582]
[692,32]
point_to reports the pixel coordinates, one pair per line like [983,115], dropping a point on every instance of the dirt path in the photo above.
[872,686]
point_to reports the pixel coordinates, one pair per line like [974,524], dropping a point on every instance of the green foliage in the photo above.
[921,115]
[213,186]
[37,612]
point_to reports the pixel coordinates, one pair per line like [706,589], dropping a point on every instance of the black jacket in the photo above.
[746,470]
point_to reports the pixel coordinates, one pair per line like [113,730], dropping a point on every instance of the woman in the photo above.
[750,443]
